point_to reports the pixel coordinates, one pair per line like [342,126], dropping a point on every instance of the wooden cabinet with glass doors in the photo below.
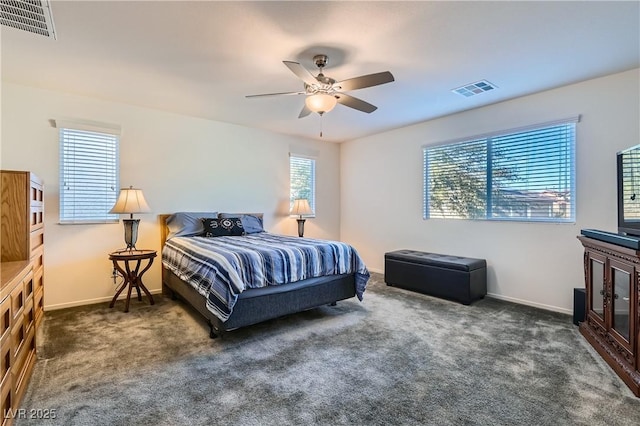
[612,323]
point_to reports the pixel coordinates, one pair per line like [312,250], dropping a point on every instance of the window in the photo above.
[302,175]
[526,175]
[89,177]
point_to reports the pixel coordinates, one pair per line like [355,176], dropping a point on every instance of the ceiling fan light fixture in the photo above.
[320,102]
[322,93]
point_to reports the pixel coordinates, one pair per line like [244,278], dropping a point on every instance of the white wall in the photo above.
[369,190]
[182,163]
[532,263]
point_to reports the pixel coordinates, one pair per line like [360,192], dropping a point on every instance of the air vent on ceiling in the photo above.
[473,89]
[33,16]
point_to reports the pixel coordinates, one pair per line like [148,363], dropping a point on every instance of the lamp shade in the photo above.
[130,200]
[321,102]
[301,207]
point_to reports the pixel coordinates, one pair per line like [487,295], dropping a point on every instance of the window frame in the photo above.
[78,132]
[312,189]
[487,139]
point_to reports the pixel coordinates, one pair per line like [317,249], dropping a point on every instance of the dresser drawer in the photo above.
[29,315]
[37,239]
[36,218]
[38,306]
[6,401]
[37,259]
[18,336]
[29,288]
[38,280]
[6,360]
[36,194]
[24,365]
[17,303]
[5,318]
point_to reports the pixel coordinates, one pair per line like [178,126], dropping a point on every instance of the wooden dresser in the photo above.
[22,283]
[612,323]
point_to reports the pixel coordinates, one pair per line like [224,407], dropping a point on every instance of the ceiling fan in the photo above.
[323,93]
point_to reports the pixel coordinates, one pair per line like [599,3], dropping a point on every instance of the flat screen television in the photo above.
[629,191]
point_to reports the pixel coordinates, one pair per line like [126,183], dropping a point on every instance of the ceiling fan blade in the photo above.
[355,103]
[305,111]
[302,73]
[275,94]
[365,81]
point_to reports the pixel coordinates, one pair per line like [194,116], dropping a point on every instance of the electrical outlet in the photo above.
[114,275]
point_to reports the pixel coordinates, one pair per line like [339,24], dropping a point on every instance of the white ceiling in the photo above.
[202,58]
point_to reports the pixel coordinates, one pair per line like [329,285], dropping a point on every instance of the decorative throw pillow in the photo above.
[251,222]
[222,227]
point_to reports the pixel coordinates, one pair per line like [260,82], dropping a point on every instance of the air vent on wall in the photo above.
[473,89]
[33,16]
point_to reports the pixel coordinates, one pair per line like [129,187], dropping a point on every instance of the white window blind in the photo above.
[89,176]
[526,175]
[302,175]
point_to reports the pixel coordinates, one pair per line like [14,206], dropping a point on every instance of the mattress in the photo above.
[221,268]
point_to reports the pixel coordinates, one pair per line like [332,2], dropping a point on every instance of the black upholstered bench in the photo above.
[450,277]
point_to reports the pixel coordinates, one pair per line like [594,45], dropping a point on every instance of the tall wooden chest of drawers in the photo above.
[22,283]
[17,334]
[22,226]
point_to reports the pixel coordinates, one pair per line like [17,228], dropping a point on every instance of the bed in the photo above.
[235,281]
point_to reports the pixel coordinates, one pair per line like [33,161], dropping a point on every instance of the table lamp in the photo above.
[301,207]
[130,200]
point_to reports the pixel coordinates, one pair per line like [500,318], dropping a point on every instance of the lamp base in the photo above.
[301,227]
[131,233]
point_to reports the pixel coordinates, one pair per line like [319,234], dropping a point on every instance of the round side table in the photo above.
[132,274]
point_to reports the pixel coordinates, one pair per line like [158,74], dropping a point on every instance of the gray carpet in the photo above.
[397,358]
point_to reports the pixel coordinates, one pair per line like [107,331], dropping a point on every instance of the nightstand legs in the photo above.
[132,278]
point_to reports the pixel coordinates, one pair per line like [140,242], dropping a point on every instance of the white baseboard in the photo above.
[158,291]
[533,304]
[512,299]
[92,301]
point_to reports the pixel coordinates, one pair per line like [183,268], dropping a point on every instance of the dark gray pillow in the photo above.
[187,224]
[223,227]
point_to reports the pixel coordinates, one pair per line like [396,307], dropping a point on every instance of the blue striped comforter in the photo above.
[221,268]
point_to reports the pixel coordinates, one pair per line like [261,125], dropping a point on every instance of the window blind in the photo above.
[89,177]
[526,175]
[302,175]
[461,166]
[630,167]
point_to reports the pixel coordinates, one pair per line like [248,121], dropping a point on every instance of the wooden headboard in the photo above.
[164,230]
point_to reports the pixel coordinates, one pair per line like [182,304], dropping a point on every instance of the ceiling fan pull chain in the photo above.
[321,124]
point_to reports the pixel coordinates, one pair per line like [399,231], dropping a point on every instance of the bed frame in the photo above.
[260,304]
